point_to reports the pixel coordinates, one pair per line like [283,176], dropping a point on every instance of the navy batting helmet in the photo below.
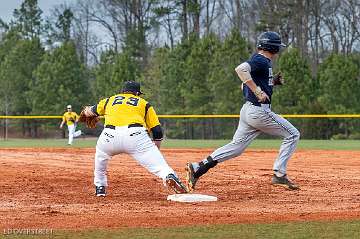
[270,41]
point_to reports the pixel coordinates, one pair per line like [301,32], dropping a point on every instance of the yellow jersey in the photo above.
[124,109]
[70,117]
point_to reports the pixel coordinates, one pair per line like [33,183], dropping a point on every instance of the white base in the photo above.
[189,197]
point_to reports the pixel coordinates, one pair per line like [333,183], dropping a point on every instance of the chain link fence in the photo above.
[186,128]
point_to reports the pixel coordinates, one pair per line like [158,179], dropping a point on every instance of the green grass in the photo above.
[175,143]
[303,230]
[267,144]
[30,143]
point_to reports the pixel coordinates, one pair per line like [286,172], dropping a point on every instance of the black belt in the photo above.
[257,103]
[109,126]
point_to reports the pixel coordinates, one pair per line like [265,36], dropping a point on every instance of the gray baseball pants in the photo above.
[255,120]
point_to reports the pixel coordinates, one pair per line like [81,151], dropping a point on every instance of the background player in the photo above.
[256,115]
[128,118]
[70,118]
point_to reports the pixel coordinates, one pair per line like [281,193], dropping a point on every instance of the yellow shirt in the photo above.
[70,117]
[125,109]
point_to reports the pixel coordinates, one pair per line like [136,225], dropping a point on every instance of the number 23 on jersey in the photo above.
[118,100]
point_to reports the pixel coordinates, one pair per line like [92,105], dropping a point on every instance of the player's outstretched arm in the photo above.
[62,124]
[243,71]
[88,117]
[157,143]
[157,135]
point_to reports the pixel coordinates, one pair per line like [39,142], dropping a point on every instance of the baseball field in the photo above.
[47,185]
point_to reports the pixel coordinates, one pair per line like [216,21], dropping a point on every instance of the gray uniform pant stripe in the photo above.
[255,120]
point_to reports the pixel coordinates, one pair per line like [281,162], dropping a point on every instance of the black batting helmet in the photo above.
[270,41]
[132,86]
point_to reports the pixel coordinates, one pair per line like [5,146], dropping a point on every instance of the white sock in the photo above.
[195,166]
[278,174]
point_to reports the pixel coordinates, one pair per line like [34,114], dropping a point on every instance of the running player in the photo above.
[256,116]
[128,121]
[70,118]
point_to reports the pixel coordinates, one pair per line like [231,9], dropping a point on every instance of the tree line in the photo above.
[184,53]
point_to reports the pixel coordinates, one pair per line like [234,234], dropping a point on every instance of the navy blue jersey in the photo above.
[261,73]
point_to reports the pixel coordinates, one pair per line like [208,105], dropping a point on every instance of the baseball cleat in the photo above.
[175,184]
[190,178]
[284,181]
[100,191]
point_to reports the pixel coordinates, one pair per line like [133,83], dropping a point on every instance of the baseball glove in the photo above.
[88,117]
[278,80]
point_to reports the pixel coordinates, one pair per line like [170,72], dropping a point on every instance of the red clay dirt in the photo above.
[52,188]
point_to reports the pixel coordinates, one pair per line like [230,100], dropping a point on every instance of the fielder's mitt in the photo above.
[278,80]
[88,117]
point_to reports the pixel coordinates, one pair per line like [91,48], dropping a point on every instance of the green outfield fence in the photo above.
[311,126]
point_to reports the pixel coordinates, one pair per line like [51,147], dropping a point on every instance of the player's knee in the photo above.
[238,141]
[101,156]
[294,136]
[297,135]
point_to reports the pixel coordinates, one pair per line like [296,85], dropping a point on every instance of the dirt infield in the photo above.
[52,188]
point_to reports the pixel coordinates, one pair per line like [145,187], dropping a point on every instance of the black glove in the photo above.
[277,79]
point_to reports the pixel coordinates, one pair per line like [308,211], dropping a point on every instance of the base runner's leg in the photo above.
[277,125]
[243,136]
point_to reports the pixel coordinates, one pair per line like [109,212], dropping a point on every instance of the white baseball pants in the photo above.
[72,133]
[134,141]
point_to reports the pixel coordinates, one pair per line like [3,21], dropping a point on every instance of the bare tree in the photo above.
[167,17]
[184,19]
[315,39]
[132,21]
[239,14]
[315,27]
[93,29]
[210,7]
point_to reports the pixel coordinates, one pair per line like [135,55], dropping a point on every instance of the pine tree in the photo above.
[340,86]
[61,79]
[28,19]
[296,96]
[152,78]
[17,74]
[196,89]
[225,84]
[114,69]
[299,93]
[8,42]
[173,79]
